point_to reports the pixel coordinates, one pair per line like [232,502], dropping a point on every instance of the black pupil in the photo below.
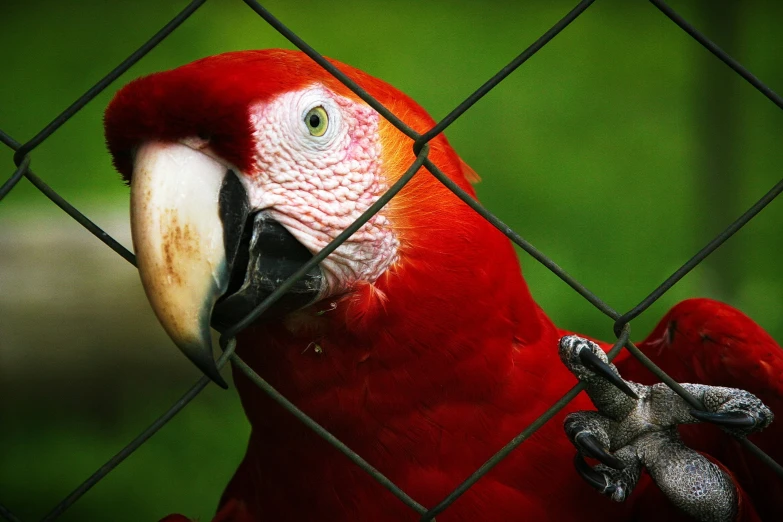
[315,120]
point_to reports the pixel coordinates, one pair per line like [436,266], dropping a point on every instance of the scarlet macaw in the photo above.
[417,342]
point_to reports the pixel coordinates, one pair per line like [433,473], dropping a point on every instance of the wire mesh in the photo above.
[22,160]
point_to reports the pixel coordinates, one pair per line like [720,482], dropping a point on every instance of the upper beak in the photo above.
[197,243]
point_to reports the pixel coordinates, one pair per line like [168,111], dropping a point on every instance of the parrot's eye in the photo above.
[317,121]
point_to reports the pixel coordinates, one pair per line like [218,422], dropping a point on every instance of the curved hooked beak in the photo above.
[203,255]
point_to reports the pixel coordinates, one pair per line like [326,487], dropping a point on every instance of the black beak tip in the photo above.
[218,379]
[204,362]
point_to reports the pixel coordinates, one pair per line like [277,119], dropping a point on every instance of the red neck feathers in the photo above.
[440,323]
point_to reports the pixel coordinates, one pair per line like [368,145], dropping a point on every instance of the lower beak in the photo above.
[198,244]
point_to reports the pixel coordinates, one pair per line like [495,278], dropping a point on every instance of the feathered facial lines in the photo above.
[250,163]
[316,167]
[307,151]
[310,129]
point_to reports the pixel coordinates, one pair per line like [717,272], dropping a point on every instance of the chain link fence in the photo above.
[621,321]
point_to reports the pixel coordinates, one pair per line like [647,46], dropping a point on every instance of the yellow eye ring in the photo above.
[317,121]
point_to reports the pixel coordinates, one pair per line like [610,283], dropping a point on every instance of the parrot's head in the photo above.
[244,165]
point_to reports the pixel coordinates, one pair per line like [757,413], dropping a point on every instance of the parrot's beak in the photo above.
[204,256]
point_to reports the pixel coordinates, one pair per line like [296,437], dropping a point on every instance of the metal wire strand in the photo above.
[331,247]
[522,437]
[702,254]
[718,52]
[61,202]
[11,182]
[521,242]
[503,73]
[696,403]
[96,89]
[22,160]
[328,437]
[8,141]
[331,69]
[6,514]
[136,443]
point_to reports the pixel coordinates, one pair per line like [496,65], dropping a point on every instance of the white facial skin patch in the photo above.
[317,185]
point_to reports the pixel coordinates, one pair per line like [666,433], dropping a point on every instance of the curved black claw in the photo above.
[593,448]
[595,478]
[730,419]
[593,362]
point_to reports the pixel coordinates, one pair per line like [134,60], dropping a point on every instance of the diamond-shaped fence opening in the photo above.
[419,144]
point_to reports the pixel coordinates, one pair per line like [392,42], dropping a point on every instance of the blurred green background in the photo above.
[619,150]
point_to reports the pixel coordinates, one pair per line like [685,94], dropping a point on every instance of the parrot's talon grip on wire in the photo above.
[595,478]
[592,447]
[730,419]
[626,435]
[593,362]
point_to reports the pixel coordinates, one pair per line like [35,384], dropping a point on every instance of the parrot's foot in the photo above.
[636,426]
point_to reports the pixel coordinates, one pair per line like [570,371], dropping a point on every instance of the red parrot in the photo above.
[417,342]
